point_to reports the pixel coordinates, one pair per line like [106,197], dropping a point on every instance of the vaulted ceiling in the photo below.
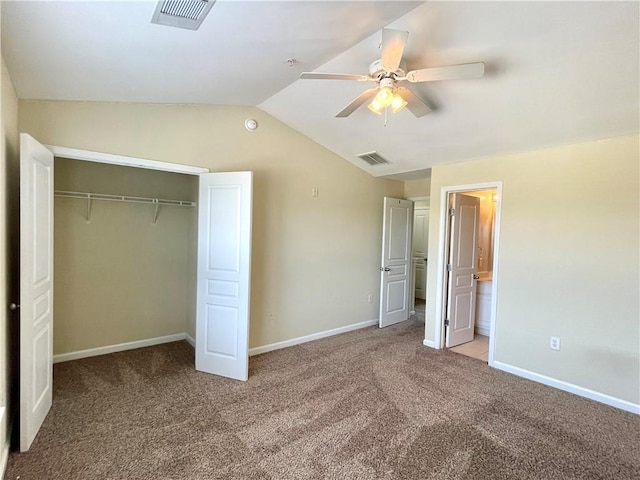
[556,72]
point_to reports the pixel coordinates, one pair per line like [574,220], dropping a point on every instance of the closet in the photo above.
[124,255]
[133,264]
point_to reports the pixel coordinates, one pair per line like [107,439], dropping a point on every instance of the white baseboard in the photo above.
[4,458]
[483,331]
[310,338]
[94,352]
[570,387]
[429,343]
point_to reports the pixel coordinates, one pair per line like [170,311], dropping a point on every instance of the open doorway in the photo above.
[419,259]
[468,267]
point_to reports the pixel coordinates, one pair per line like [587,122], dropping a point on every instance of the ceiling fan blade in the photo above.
[415,104]
[393,42]
[454,72]
[333,76]
[357,103]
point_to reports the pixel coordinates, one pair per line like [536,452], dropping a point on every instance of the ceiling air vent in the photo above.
[373,158]
[182,13]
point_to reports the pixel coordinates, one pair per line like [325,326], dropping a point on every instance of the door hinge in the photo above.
[446,322]
[452,212]
[449,267]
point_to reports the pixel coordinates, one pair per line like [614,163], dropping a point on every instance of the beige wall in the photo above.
[9,252]
[314,260]
[568,261]
[119,278]
[417,188]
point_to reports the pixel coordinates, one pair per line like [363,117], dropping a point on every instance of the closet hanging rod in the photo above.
[123,198]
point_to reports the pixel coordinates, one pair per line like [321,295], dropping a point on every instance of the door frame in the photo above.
[441,268]
[125,161]
[99,157]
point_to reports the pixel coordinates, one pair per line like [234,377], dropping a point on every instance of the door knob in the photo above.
[385,269]
[475,276]
[13,306]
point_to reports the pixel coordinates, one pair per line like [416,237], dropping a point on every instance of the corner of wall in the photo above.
[417,188]
[9,248]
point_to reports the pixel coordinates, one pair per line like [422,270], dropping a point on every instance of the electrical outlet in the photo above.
[314,192]
[370,298]
[554,344]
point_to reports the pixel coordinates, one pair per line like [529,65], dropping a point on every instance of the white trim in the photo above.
[4,458]
[483,331]
[190,340]
[420,199]
[4,453]
[310,338]
[120,347]
[429,343]
[569,387]
[497,225]
[98,157]
[439,304]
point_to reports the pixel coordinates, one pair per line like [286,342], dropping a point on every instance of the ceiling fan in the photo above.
[389,72]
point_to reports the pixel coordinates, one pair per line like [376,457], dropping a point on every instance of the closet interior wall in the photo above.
[120,277]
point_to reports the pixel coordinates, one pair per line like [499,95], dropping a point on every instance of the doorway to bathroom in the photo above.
[468,267]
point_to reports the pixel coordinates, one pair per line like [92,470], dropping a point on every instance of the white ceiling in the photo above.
[557,72]
[109,51]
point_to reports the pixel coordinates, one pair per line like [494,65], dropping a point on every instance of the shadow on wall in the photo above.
[12,192]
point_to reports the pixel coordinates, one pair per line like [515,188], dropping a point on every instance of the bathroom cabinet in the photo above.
[483,306]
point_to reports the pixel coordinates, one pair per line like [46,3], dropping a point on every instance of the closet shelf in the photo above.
[89,197]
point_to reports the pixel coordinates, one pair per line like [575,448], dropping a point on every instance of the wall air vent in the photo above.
[182,13]
[373,158]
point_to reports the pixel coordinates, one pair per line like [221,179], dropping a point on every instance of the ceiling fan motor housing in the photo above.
[377,71]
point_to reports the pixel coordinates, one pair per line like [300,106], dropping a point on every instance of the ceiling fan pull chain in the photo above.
[385,116]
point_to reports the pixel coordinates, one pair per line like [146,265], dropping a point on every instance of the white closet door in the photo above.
[36,287]
[224,274]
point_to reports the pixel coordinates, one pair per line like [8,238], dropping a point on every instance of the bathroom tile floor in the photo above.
[478,348]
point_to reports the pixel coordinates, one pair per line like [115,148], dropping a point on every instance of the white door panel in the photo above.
[396,261]
[224,271]
[420,232]
[421,277]
[36,287]
[462,259]
[420,245]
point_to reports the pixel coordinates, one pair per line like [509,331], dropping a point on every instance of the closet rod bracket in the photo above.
[155,214]
[88,208]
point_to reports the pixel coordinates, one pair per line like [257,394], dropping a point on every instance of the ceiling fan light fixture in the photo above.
[398,103]
[375,107]
[384,97]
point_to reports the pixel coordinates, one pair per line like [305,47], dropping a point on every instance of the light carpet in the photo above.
[369,404]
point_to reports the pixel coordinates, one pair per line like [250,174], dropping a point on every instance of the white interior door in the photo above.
[396,261]
[36,287]
[420,245]
[462,266]
[224,273]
